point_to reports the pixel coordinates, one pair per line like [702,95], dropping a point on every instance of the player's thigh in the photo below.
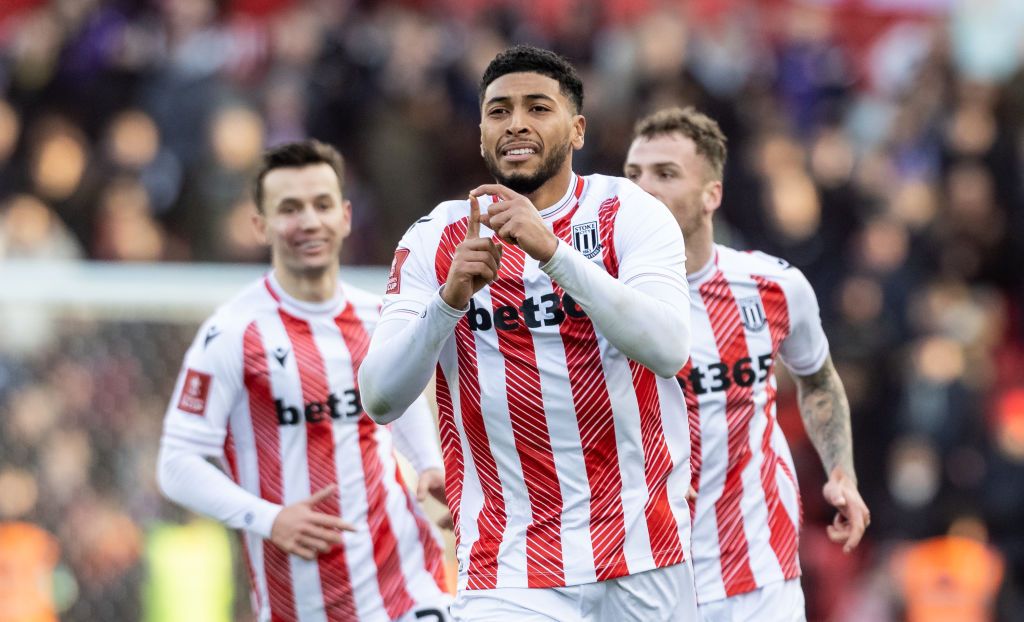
[781,601]
[660,595]
[515,604]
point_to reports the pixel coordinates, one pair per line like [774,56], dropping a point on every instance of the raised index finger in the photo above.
[473,228]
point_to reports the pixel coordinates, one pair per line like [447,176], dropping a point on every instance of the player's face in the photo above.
[305,219]
[528,128]
[668,167]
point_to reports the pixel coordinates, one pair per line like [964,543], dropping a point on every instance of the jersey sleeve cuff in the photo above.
[260,519]
[812,367]
[562,257]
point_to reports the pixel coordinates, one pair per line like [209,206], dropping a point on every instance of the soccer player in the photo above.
[547,303]
[748,310]
[269,388]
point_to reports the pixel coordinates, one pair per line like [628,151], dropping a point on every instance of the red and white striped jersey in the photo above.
[748,310]
[566,462]
[269,386]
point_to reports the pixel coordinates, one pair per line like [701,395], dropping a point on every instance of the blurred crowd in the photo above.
[876,144]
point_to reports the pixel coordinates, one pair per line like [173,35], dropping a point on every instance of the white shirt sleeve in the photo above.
[208,388]
[416,438]
[805,349]
[645,312]
[415,324]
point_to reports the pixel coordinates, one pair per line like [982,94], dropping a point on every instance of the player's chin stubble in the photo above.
[528,184]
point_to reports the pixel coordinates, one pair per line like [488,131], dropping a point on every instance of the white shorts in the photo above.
[659,595]
[781,601]
[434,611]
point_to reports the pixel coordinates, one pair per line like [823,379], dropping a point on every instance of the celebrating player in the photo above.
[548,304]
[269,388]
[747,311]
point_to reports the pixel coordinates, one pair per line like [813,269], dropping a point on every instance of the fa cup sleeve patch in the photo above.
[194,392]
[395,277]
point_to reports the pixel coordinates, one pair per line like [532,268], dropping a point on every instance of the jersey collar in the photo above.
[705,270]
[328,307]
[568,200]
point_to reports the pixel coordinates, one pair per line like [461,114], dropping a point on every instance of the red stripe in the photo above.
[739,410]
[693,418]
[783,537]
[334,579]
[530,432]
[595,419]
[268,459]
[483,555]
[451,447]
[606,225]
[390,579]
[433,556]
[661,522]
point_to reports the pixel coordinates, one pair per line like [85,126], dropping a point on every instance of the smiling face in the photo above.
[304,219]
[528,130]
[668,167]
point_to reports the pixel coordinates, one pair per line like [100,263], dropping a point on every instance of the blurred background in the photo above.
[876,144]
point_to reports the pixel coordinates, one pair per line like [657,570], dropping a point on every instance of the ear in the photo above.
[346,217]
[579,129]
[259,224]
[711,196]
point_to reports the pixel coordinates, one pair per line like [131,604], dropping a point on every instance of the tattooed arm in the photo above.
[826,415]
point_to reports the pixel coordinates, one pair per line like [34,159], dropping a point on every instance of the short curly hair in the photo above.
[531,59]
[296,154]
[697,126]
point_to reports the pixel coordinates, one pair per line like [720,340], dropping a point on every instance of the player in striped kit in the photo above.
[748,310]
[547,304]
[269,388]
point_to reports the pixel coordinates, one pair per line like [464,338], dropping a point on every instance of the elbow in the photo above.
[164,474]
[669,360]
[375,403]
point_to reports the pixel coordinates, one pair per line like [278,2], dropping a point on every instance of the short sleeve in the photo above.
[649,243]
[412,280]
[209,386]
[805,349]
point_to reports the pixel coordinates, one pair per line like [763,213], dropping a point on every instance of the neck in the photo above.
[313,286]
[552,190]
[699,247]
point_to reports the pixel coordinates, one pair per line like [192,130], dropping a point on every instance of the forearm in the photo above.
[649,323]
[402,357]
[826,415]
[188,479]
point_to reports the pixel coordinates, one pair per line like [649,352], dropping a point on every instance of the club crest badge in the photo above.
[752,313]
[585,239]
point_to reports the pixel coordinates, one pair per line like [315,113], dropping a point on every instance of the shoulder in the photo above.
[607,195]
[444,214]
[602,188]
[232,318]
[755,262]
[770,268]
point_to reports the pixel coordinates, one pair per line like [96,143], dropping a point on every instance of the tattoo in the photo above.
[826,414]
